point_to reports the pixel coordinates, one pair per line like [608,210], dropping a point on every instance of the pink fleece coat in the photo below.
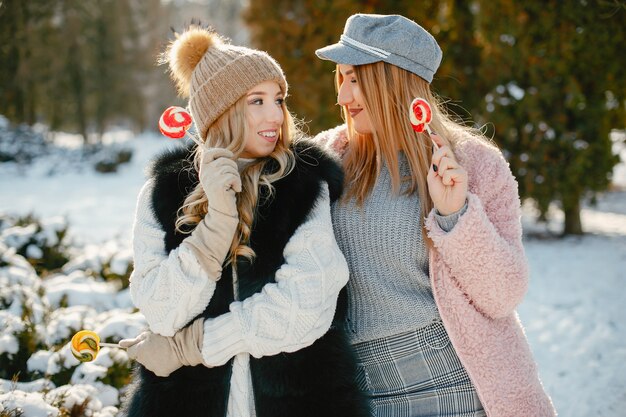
[479,275]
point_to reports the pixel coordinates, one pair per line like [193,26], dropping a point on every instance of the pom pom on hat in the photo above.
[185,52]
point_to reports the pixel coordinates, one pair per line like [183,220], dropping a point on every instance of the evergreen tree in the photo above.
[559,88]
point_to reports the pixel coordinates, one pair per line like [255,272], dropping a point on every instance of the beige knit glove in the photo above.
[163,355]
[211,239]
[220,180]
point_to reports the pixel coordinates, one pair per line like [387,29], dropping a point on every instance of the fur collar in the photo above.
[175,176]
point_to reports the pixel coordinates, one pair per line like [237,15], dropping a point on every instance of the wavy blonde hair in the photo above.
[229,132]
[387,92]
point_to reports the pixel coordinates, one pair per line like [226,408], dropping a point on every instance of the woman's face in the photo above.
[351,97]
[264,117]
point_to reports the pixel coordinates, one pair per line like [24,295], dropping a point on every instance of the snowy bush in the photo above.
[43,303]
[24,146]
[110,159]
[46,246]
[43,243]
[21,144]
[107,261]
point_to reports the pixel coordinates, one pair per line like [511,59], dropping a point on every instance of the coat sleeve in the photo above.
[169,289]
[297,309]
[333,140]
[484,250]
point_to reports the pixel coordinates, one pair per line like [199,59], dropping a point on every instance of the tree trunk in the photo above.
[77,82]
[573,225]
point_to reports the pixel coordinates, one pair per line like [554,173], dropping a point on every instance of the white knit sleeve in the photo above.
[169,289]
[296,310]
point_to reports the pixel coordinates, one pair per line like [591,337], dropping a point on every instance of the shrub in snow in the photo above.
[119,267]
[43,243]
[22,311]
[65,401]
[80,400]
[108,261]
[42,308]
[28,404]
[14,269]
[110,158]
[77,287]
[46,246]
[21,144]
[57,152]
[21,326]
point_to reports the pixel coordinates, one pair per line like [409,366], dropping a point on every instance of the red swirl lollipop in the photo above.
[420,115]
[174,122]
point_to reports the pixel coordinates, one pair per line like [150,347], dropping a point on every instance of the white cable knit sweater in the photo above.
[171,289]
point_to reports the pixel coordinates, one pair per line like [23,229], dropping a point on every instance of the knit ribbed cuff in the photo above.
[447,223]
[223,339]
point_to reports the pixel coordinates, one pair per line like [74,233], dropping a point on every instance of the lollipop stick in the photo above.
[430,134]
[113,345]
[198,142]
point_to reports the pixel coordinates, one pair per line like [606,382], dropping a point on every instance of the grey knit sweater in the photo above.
[389,290]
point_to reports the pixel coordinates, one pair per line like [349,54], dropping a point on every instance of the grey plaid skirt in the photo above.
[416,374]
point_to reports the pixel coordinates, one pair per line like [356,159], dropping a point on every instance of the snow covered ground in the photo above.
[573,313]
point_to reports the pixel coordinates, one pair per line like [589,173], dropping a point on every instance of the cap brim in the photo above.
[344,54]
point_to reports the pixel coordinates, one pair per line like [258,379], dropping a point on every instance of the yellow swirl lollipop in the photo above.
[86,345]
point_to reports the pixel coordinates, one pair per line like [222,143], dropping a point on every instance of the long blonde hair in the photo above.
[229,132]
[387,92]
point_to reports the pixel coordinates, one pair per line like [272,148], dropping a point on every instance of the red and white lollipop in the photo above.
[420,115]
[174,122]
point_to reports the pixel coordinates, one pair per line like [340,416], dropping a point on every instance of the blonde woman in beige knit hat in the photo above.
[236,266]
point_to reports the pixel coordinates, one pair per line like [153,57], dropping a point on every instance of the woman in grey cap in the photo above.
[432,237]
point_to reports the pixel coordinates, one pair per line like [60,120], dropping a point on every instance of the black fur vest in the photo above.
[317,381]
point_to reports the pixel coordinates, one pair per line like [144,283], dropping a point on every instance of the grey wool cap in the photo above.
[369,38]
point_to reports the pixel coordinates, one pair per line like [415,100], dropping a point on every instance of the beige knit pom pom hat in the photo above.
[215,74]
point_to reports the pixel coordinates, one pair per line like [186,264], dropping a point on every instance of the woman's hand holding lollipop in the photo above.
[447,184]
[447,180]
